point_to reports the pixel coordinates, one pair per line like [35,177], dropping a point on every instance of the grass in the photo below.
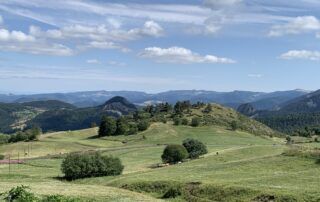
[247,167]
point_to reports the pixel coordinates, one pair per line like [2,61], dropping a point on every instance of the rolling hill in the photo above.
[56,115]
[231,99]
[239,167]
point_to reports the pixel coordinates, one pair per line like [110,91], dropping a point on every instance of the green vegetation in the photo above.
[248,167]
[195,148]
[27,135]
[82,165]
[174,154]
[108,127]
[249,163]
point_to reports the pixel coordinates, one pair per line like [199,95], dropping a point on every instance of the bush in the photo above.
[195,122]
[58,198]
[19,194]
[107,127]
[143,125]
[172,192]
[234,125]
[174,154]
[133,129]
[176,121]
[185,122]
[195,148]
[2,156]
[83,165]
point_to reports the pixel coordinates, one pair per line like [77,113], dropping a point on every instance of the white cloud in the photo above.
[18,41]
[93,61]
[298,25]
[180,55]
[104,45]
[116,63]
[100,32]
[15,36]
[255,75]
[301,54]
[1,20]
[220,4]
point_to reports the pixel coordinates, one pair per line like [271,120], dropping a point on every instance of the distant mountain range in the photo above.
[260,100]
[289,116]
[56,115]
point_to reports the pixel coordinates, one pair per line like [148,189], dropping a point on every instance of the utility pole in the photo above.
[9,164]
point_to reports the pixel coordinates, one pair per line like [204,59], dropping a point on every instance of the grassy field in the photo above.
[247,167]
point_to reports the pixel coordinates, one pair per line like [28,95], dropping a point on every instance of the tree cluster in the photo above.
[190,148]
[122,126]
[27,135]
[83,165]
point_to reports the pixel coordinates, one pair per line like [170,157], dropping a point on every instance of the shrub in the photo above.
[133,129]
[195,148]
[143,125]
[107,127]
[172,192]
[4,139]
[58,198]
[234,125]
[1,156]
[195,122]
[176,121]
[185,121]
[19,194]
[174,154]
[83,165]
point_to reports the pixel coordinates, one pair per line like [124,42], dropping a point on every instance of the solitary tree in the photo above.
[107,127]
[174,154]
[234,125]
[195,148]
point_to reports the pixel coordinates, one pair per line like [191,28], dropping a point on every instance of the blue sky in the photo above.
[221,45]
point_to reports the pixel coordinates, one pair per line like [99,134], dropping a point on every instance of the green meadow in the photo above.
[239,167]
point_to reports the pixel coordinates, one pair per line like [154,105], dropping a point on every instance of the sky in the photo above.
[159,45]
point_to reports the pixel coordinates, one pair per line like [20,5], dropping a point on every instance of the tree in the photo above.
[133,129]
[174,154]
[143,125]
[34,133]
[195,122]
[82,165]
[122,127]
[234,125]
[107,127]
[176,121]
[185,121]
[195,148]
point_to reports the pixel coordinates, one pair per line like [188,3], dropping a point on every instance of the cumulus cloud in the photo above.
[18,41]
[180,55]
[298,25]
[100,32]
[301,54]
[14,36]
[221,4]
